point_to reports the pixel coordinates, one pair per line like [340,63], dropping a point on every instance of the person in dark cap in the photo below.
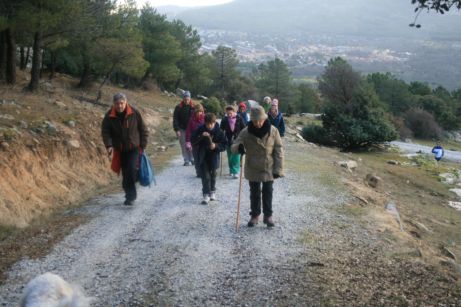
[124,134]
[262,144]
[181,115]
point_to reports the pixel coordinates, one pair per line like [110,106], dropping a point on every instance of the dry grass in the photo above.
[420,198]
[36,240]
[317,162]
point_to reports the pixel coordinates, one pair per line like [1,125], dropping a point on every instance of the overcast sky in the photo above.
[157,3]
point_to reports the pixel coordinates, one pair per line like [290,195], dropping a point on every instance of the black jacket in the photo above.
[181,115]
[124,137]
[205,154]
[232,135]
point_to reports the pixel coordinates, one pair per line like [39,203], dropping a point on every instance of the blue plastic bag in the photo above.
[145,172]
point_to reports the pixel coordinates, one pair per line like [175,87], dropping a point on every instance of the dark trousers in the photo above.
[208,174]
[195,151]
[129,161]
[255,198]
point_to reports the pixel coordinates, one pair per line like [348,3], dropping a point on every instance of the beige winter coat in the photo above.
[264,156]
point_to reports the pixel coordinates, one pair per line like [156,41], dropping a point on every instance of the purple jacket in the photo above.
[194,123]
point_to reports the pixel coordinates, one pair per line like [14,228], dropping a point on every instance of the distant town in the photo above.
[307,56]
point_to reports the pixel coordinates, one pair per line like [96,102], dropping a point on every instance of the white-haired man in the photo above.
[124,134]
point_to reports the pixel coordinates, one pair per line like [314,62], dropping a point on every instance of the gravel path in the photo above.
[170,250]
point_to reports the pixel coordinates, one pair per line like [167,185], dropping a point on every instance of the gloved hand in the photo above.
[242,150]
[188,146]
[276,176]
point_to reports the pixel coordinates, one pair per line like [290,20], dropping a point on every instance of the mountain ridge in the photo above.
[356,17]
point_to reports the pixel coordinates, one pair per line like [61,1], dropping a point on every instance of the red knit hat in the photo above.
[243,105]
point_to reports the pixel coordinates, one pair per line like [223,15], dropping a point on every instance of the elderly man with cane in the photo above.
[262,144]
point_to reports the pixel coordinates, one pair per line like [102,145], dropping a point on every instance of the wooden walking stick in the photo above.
[240,193]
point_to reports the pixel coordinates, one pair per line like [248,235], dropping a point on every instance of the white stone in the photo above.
[7,116]
[74,143]
[448,178]
[350,165]
[455,204]
[456,191]
[299,136]
[60,104]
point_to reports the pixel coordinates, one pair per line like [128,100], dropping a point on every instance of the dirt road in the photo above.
[415,148]
[170,250]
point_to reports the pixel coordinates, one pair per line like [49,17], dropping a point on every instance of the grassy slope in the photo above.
[417,191]
[400,268]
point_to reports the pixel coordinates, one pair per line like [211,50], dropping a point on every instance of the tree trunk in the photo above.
[10,57]
[42,64]
[36,62]
[2,55]
[85,78]
[26,60]
[109,74]
[53,56]
[22,58]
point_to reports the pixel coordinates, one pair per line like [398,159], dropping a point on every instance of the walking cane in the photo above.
[240,193]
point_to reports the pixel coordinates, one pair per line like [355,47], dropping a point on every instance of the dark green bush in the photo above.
[212,105]
[422,124]
[317,134]
[360,123]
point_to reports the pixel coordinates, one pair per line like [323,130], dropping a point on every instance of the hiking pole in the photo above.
[240,193]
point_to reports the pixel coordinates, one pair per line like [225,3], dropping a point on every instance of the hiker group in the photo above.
[202,140]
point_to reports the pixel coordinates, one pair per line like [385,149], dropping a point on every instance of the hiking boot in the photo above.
[187,163]
[235,176]
[253,222]
[128,203]
[268,221]
[213,196]
[206,199]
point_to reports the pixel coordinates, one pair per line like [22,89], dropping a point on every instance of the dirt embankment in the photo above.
[51,150]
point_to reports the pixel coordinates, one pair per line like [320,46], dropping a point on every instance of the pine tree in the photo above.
[224,68]
[161,48]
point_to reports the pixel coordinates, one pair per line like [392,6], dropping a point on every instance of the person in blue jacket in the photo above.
[276,118]
[210,141]
[242,112]
[438,152]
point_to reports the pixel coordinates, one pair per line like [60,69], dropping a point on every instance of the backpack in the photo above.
[145,172]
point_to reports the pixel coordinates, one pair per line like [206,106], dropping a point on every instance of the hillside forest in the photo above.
[104,41]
